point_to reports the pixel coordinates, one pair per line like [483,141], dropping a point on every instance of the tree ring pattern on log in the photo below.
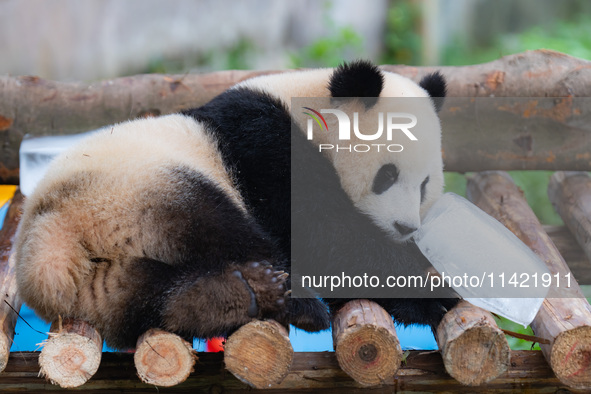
[259,353]
[368,352]
[69,359]
[163,359]
[571,357]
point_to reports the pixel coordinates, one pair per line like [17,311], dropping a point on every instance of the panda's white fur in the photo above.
[401,203]
[120,163]
[181,222]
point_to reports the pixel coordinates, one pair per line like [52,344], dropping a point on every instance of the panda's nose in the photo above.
[404,229]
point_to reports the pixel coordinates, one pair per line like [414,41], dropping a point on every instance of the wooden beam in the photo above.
[572,252]
[163,358]
[72,353]
[570,194]
[365,342]
[9,300]
[511,134]
[564,321]
[474,349]
[310,372]
[259,353]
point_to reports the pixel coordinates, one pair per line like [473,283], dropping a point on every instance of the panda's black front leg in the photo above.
[216,305]
[427,311]
[309,314]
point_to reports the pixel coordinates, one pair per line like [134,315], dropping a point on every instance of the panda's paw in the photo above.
[309,314]
[267,288]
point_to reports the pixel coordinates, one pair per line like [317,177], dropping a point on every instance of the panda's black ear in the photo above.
[436,86]
[360,78]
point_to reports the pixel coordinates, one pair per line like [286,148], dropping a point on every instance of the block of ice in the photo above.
[482,259]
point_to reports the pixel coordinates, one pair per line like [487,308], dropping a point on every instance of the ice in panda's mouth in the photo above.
[403,238]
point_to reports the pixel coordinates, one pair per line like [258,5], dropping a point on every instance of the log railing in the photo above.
[30,105]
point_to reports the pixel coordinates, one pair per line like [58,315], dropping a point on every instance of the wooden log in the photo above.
[570,194]
[9,300]
[163,358]
[72,353]
[566,321]
[259,353]
[571,252]
[474,349]
[41,107]
[46,107]
[311,372]
[365,342]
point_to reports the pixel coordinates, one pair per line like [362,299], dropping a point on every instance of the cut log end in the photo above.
[473,348]
[71,355]
[259,353]
[478,356]
[366,344]
[163,359]
[571,357]
[5,343]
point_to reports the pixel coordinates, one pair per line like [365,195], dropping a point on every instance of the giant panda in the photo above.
[142,226]
[360,209]
[182,222]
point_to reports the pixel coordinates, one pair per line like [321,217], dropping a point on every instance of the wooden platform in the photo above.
[535,147]
[311,372]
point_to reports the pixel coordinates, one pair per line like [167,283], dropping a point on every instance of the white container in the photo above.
[36,153]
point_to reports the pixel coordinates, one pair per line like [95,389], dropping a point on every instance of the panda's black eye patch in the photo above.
[423,187]
[386,177]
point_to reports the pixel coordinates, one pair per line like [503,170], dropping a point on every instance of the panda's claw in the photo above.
[283,276]
[268,286]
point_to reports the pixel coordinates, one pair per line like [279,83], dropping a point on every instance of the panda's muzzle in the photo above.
[404,229]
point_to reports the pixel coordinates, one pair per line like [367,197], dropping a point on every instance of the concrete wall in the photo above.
[94,39]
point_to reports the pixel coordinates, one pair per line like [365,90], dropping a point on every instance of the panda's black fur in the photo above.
[210,265]
[356,79]
[259,150]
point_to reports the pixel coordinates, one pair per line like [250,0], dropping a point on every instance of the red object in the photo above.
[215,344]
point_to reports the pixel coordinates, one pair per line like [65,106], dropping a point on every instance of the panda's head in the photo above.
[394,188]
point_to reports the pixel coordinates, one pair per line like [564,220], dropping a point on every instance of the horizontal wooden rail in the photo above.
[310,372]
[514,133]
[9,299]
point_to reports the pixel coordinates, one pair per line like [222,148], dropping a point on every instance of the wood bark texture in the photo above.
[519,132]
[9,299]
[565,319]
[317,372]
[570,194]
[474,349]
